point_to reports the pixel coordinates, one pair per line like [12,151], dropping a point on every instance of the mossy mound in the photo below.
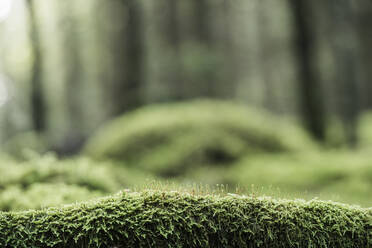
[41,195]
[48,169]
[170,138]
[173,219]
[46,181]
[340,176]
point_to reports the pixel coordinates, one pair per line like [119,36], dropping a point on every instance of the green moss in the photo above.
[172,219]
[172,138]
[47,181]
[341,176]
[41,195]
[48,169]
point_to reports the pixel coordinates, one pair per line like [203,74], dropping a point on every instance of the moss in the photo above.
[48,169]
[41,195]
[341,176]
[169,139]
[47,181]
[172,219]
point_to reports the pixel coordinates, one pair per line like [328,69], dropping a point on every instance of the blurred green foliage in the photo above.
[22,145]
[342,176]
[47,181]
[41,195]
[365,130]
[335,175]
[169,139]
[48,169]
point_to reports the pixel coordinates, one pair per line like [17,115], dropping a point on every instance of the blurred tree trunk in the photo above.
[364,24]
[228,82]
[206,75]
[172,28]
[127,52]
[344,44]
[311,93]
[38,108]
[265,55]
[213,32]
[201,21]
[73,79]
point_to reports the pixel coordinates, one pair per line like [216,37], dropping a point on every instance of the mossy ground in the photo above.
[154,218]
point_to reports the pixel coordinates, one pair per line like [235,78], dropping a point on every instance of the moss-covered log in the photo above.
[173,219]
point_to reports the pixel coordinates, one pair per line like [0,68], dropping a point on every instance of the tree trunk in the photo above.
[73,80]
[128,59]
[201,21]
[38,108]
[265,43]
[227,84]
[311,94]
[364,23]
[172,28]
[342,31]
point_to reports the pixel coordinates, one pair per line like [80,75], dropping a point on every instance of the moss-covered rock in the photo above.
[173,219]
[169,138]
